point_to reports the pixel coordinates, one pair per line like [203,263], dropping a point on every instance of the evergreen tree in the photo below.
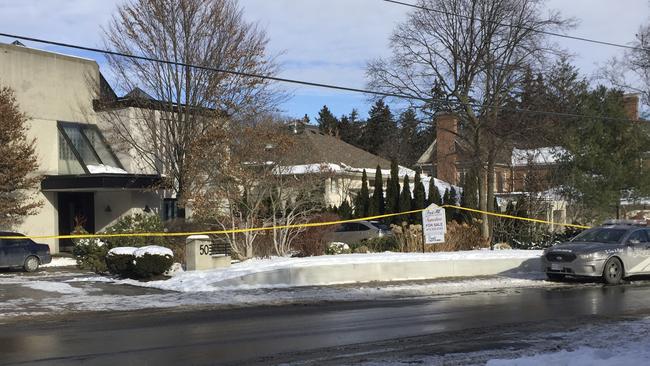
[380,132]
[419,196]
[434,193]
[345,211]
[362,204]
[351,128]
[405,199]
[411,142]
[393,189]
[377,206]
[327,123]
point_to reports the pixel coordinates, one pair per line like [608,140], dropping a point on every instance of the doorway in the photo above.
[75,209]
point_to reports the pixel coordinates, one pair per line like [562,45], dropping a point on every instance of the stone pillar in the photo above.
[197,253]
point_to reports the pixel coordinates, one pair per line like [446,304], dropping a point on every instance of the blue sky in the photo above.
[326,41]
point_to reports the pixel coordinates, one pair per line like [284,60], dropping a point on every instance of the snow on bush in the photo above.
[122,251]
[152,261]
[338,248]
[90,254]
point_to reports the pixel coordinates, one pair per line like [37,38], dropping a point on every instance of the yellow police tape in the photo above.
[266,228]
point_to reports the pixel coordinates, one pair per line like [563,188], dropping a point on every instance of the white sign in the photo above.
[434,224]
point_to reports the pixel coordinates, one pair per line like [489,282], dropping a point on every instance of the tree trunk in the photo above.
[490,194]
[482,202]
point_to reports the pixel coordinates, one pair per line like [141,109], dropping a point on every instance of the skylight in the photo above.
[83,150]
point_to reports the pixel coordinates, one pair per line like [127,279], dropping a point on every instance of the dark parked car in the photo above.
[22,252]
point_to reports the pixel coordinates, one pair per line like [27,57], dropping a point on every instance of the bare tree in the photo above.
[173,105]
[467,57]
[632,71]
[18,164]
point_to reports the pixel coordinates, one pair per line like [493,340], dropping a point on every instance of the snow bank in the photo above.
[122,251]
[212,280]
[153,250]
[61,262]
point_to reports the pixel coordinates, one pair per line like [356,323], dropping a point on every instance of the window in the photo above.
[83,150]
[639,235]
[170,209]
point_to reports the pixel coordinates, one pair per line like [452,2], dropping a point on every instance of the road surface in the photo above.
[311,334]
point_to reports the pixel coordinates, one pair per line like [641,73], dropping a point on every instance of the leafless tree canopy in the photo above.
[458,64]
[180,103]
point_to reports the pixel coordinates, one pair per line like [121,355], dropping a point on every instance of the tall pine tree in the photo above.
[377,204]
[392,190]
[362,202]
[434,193]
[405,200]
[380,132]
[419,196]
[327,123]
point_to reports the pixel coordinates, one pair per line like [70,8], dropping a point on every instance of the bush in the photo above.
[90,253]
[408,237]
[465,236]
[138,223]
[119,261]
[152,261]
[361,250]
[383,244]
[313,241]
[337,248]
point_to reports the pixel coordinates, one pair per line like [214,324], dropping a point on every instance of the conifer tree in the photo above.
[405,199]
[377,205]
[434,193]
[327,123]
[393,190]
[345,211]
[419,196]
[380,133]
[362,204]
[17,164]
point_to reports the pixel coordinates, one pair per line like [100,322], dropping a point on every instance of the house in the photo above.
[85,181]
[316,152]
[518,169]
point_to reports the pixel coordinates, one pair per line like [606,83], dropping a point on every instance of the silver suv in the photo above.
[613,251]
[355,232]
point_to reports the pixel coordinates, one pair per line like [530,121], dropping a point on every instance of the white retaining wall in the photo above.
[385,271]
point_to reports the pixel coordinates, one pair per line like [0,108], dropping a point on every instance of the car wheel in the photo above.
[555,276]
[613,271]
[31,264]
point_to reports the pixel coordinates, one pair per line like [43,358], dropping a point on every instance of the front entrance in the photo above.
[75,209]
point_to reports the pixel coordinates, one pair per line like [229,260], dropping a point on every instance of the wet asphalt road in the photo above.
[258,335]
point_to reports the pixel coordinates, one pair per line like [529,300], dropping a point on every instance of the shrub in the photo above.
[383,244]
[138,223]
[408,238]
[152,261]
[313,241]
[337,248]
[465,236]
[90,253]
[361,250]
[119,261]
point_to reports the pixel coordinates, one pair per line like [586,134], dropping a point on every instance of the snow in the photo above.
[209,280]
[122,251]
[58,287]
[540,156]
[61,262]
[153,250]
[105,169]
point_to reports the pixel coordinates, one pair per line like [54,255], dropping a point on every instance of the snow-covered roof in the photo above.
[539,156]
[105,169]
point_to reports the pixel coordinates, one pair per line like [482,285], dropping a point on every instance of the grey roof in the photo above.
[314,147]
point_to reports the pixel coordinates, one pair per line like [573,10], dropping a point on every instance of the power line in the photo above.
[554,34]
[305,83]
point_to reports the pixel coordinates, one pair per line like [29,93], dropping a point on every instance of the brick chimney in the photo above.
[631,105]
[446,157]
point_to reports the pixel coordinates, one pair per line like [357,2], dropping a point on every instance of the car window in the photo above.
[15,242]
[639,235]
[601,235]
[380,226]
[360,227]
[345,227]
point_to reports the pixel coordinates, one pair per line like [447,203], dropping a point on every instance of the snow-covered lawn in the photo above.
[210,280]
[61,262]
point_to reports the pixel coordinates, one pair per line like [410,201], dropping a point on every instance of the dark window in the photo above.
[15,242]
[170,209]
[639,235]
[601,235]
